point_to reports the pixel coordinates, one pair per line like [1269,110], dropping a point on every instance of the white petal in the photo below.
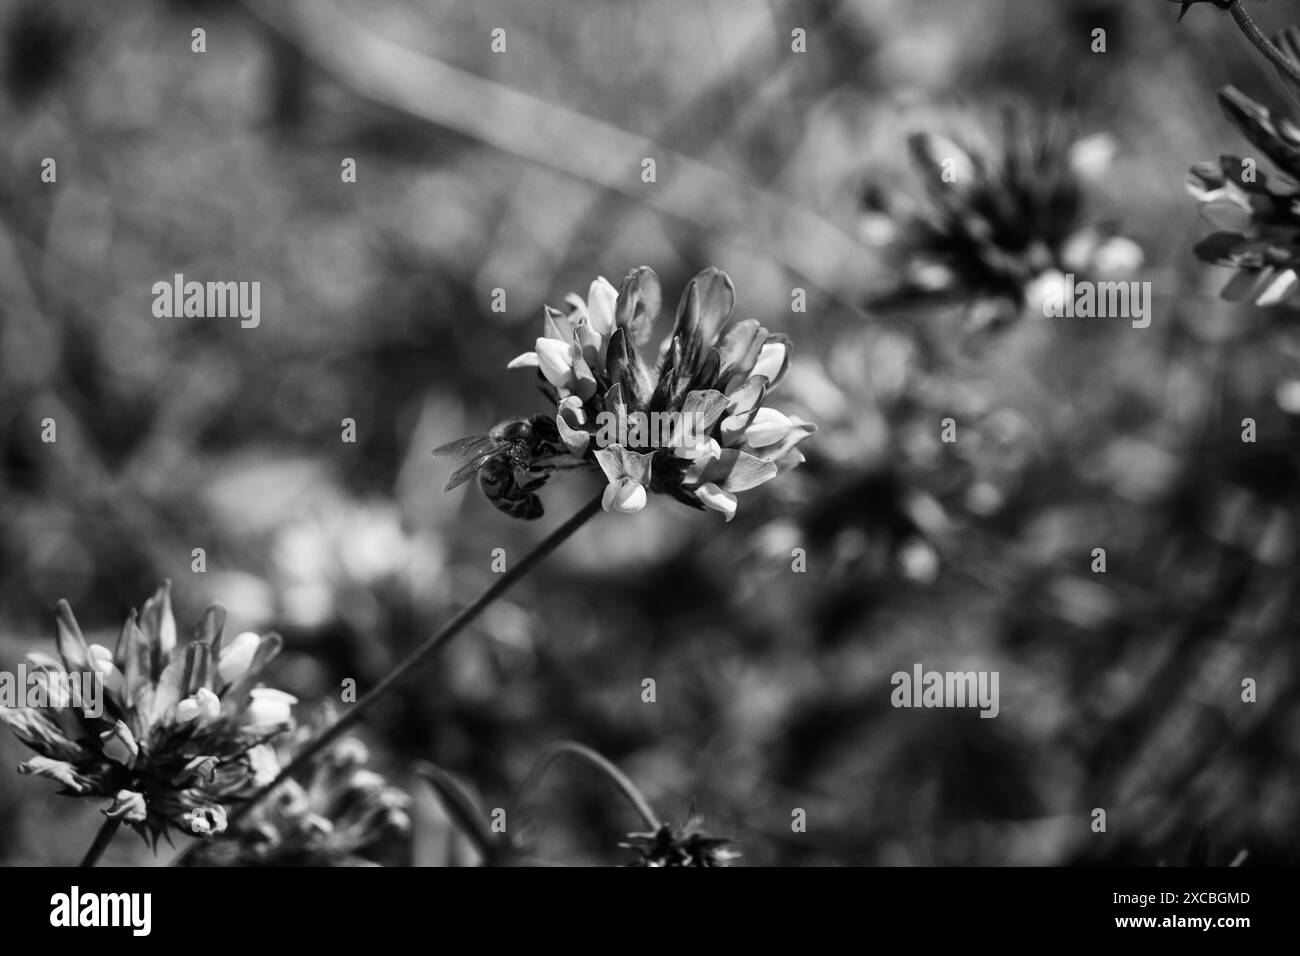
[209,704]
[629,496]
[101,659]
[575,439]
[268,707]
[187,710]
[527,360]
[768,427]
[128,806]
[601,298]
[264,763]
[119,744]
[99,656]
[748,472]
[611,462]
[637,466]
[609,500]
[713,497]
[237,657]
[1277,290]
[733,426]
[771,359]
[555,359]
[572,410]
[578,308]
[702,447]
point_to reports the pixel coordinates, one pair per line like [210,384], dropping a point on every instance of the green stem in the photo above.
[1266,46]
[417,659]
[102,839]
[619,778]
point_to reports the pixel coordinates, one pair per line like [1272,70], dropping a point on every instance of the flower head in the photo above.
[343,813]
[998,218]
[1258,218]
[171,747]
[693,423]
[686,845]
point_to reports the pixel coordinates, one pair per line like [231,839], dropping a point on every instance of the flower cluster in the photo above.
[711,378]
[181,736]
[1258,219]
[998,226]
[681,846]
[344,813]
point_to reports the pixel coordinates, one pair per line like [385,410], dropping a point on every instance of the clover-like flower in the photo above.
[999,223]
[694,424]
[1258,218]
[686,845]
[343,814]
[172,747]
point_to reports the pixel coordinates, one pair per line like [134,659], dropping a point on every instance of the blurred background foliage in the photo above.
[521,171]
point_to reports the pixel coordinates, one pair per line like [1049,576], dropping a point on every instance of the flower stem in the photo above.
[1266,46]
[102,839]
[419,657]
[619,778]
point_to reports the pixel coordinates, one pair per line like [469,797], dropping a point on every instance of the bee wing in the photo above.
[462,446]
[470,454]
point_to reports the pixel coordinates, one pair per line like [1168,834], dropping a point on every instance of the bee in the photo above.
[512,462]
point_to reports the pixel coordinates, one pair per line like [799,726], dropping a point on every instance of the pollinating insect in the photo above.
[512,462]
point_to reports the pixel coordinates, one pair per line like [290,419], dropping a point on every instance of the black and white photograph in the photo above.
[754,434]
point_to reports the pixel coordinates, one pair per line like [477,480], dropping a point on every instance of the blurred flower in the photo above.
[344,812]
[709,383]
[172,746]
[882,493]
[684,846]
[996,220]
[1259,220]
[352,561]
[1188,4]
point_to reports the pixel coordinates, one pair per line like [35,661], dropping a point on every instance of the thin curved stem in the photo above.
[619,778]
[102,839]
[461,807]
[1266,46]
[418,658]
